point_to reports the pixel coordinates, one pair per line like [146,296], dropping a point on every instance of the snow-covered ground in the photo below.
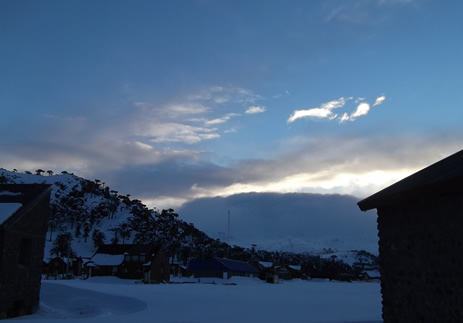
[108,299]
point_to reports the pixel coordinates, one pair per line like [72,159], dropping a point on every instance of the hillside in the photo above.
[88,214]
[92,213]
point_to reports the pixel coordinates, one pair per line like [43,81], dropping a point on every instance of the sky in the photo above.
[174,100]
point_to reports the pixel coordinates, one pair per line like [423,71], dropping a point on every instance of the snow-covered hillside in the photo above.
[78,205]
[280,223]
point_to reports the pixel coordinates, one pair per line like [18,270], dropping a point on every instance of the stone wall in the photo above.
[421,262]
[21,262]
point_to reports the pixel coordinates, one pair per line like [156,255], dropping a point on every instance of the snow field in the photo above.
[108,299]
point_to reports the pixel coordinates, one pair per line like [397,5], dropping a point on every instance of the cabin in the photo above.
[266,271]
[130,261]
[272,273]
[288,272]
[177,269]
[63,266]
[221,268]
[24,213]
[420,224]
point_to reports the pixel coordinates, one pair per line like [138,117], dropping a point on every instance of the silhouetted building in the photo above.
[23,225]
[221,268]
[420,222]
[130,261]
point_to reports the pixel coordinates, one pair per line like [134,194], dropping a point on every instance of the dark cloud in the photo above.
[291,222]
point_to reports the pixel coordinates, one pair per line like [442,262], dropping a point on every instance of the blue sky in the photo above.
[174,100]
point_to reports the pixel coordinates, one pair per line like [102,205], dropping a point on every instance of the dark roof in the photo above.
[29,195]
[131,249]
[443,176]
[220,264]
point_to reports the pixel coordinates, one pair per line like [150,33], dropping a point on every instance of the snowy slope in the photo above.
[63,187]
[107,299]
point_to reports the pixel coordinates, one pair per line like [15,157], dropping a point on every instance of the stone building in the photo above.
[420,224]
[23,225]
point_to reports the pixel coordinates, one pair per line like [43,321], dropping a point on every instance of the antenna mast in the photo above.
[228,223]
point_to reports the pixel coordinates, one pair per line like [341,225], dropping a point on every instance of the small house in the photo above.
[64,266]
[288,272]
[272,273]
[420,224]
[177,269]
[221,268]
[130,261]
[24,213]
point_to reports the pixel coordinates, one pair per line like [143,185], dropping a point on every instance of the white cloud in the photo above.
[230,130]
[222,119]
[218,120]
[324,111]
[379,100]
[255,109]
[176,132]
[315,112]
[221,95]
[334,104]
[345,117]
[193,119]
[186,109]
[362,109]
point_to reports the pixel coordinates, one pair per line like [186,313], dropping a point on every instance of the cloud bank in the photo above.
[293,222]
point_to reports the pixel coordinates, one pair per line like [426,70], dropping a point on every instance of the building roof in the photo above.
[131,249]
[17,199]
[102,259]
[220,264]
[443,176]
[114,254]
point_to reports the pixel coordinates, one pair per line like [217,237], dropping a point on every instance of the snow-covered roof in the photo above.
[9,193]
[101,259]
[7,209]
[19,198]
[266,264]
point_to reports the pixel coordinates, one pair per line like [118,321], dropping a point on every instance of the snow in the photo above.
[101,259]
[108,299]
[7,210]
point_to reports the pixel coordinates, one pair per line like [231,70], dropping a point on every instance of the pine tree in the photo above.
[62,245]
[87,228]
[98,238]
